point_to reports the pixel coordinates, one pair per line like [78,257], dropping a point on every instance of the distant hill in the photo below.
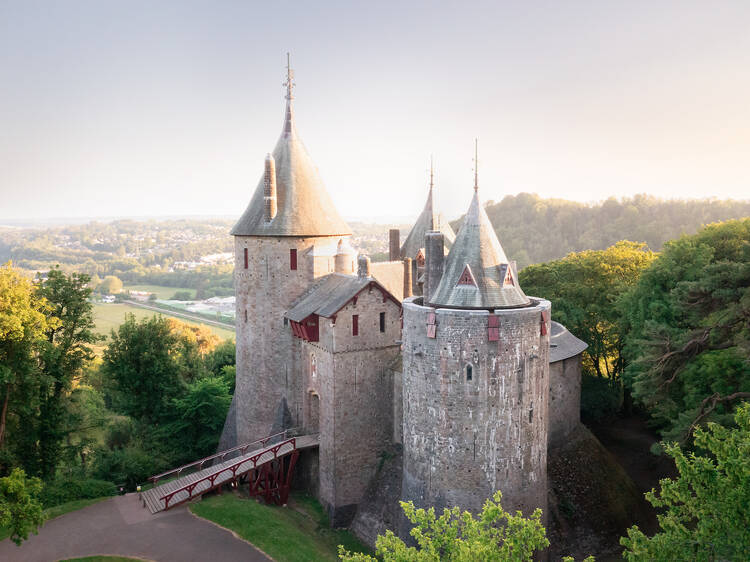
[533,230]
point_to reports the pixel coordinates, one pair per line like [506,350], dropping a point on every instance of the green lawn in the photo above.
[297,533]
[160,291]
[110,316]
[58,510]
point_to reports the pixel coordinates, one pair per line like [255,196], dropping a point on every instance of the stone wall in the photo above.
[564,398]
[268,369]
[464,439]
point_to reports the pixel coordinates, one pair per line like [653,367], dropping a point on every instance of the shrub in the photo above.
[63,490]
[128,467]
[600,398]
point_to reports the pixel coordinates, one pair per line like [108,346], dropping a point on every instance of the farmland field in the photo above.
[110,316]
[161,291]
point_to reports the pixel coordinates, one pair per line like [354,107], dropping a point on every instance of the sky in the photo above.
[131,108]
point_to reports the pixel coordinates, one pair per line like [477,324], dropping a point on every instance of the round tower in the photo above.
[344,258]
[476,381]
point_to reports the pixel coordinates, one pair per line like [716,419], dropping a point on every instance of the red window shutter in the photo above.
[293,259]
[543,330]
[355,324]
[245,258]
[431,326]
[493,328]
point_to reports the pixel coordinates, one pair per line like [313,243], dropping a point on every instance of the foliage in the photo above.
[182,296]
[600,399]
[110,285]
[129,466]
[64,490]
[20,510]
[22,326]
[583,288]
[688,336]
[494,534]
[705,509]
[140,364]
[536,230]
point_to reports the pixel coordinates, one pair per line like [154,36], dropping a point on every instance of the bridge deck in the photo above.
[152,498]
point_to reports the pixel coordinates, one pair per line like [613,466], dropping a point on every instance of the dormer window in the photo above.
[467,278]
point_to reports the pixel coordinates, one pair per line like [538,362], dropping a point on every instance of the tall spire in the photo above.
[289,84]
[432,173]
[476,165]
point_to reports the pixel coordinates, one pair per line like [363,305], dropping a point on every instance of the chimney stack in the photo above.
[269,188]
[407,277]
[394,244]
[433,265]
[363,266]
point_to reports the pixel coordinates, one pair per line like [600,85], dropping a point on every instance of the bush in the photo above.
[120,433]
[600,398]
[63,490]
[128,467]
[182,296]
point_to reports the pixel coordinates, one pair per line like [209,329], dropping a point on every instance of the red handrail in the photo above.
[233,469]
[222,454]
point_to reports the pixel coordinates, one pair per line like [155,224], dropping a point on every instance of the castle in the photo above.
[438,349]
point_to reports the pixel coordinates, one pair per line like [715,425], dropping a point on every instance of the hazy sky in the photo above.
[164,108]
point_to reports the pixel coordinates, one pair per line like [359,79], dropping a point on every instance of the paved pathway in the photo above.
[122,526]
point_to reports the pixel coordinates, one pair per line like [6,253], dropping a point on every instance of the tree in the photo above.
[22,326]
[139,363]
[584,288]
[110,285]
[688,335]
[705,512]
[492,535]
[20,510]
[69,335]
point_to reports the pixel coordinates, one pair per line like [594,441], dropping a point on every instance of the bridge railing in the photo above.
[250,462]
[221,455]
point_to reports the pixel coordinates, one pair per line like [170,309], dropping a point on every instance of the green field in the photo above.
[110,316]
[303,526]
[160,291]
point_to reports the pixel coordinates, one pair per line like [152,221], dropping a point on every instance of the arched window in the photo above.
[313,366]
[469,371]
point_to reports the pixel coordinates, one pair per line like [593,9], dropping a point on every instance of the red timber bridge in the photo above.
[266,465]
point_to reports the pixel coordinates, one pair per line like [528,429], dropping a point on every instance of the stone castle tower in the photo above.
[289,235]
[475,377]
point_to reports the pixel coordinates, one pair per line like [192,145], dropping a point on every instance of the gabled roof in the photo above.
[563,344]
[477,247]
[428,220]
[304,206]
[330,294]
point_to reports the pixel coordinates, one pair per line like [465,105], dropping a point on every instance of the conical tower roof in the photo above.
[304,206]
[428,220]
[477,274]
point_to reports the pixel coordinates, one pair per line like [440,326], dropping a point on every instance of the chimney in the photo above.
[433,262]
[363,266]
[407,277]
[394,244]
[269,188]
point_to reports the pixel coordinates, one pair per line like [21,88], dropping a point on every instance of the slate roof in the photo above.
[563,344]
[477,246]
[428,220]
[329,295]
[304,206]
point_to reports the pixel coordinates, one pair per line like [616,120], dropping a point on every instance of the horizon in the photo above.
[164,109]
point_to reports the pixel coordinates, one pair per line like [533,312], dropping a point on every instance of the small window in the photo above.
[245,258]
[382,321]
[355,324]
[286,321]
[469,372]
[246,316]
[293,259]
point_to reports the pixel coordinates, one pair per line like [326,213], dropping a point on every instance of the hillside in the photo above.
[535,230]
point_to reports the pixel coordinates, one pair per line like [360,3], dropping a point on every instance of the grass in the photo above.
[160,291]
[58,510]
[101,559]
[110,316]
[303,526]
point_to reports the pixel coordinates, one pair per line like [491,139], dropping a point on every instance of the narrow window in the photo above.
[286,321]
[245,258]
[246,316]
[469,373]
[355,324]
[382,321]
[293,259]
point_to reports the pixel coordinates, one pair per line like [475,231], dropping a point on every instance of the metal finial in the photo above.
[289,78]
[476,164]
[432,173]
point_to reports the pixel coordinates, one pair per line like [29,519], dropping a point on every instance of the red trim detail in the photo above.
[245,253]
[293,259]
